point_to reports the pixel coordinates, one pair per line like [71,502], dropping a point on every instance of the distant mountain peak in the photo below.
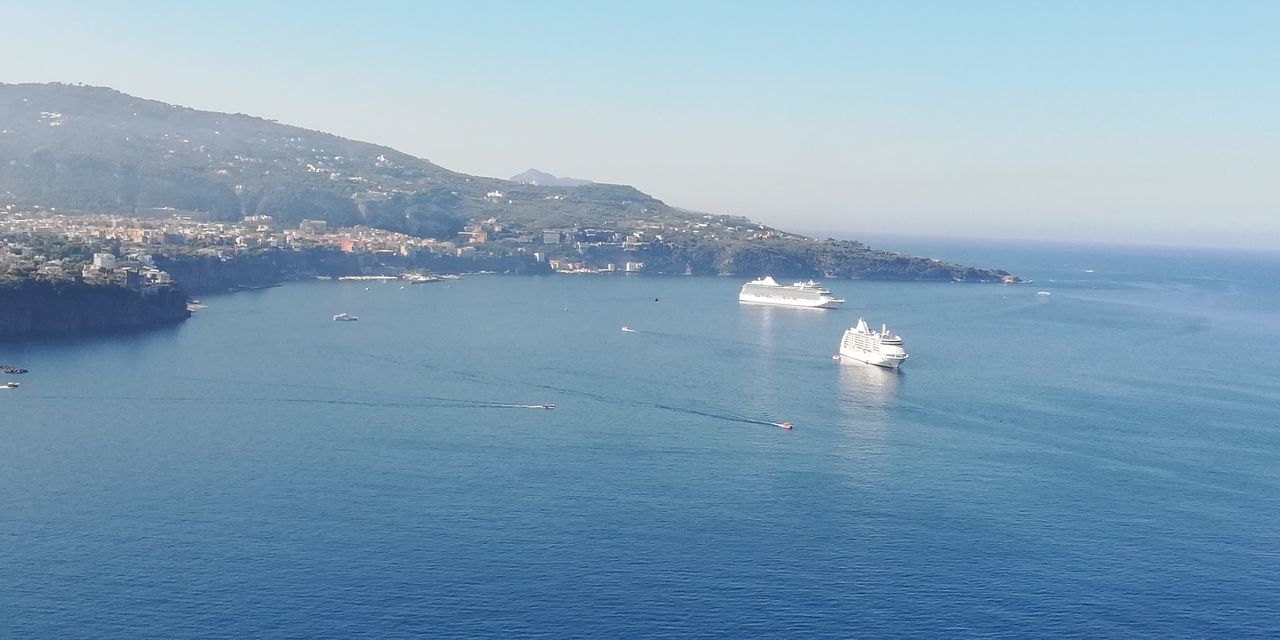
[544,179]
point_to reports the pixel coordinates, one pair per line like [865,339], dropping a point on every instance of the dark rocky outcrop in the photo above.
[32,308]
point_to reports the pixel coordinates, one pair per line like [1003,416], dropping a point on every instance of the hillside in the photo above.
[96,149]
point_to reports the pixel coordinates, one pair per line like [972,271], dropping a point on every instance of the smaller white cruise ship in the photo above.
[766,290]
[882,348]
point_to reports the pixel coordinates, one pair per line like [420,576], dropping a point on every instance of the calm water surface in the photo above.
[1101,462]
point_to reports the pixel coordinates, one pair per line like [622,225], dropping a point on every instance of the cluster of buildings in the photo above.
[134,269]
[124,247]
[605,250]
[133,241]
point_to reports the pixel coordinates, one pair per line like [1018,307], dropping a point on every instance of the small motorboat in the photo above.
[10,385]
[628,330]
[1044,293]
[783,425]
[545,405]
[345,317]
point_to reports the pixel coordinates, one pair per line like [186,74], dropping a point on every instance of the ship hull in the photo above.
[870,358]
[747,298]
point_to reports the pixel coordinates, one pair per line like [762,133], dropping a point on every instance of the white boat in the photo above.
[344,317]
[882,348]
[10,385]
[421,278]
[1044,293]
[767,291]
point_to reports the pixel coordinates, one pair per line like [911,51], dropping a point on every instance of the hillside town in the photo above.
[118,248]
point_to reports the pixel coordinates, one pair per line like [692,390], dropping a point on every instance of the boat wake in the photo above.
[423,403]
[420,400]
[725,416]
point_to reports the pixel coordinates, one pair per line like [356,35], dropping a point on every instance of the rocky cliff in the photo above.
[30,308]
[204,274]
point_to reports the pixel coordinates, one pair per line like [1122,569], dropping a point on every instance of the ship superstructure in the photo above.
[766,290]
[882,348]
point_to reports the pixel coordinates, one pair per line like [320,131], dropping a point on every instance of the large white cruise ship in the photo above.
[809,294]
[882,348]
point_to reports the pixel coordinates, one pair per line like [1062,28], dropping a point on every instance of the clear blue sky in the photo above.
[1138,122]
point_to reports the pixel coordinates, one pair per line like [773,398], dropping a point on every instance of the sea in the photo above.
[1099,462]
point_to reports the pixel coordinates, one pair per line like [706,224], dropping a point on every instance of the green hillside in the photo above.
[96,149]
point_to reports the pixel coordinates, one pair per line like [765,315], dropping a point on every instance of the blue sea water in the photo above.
[1100,462]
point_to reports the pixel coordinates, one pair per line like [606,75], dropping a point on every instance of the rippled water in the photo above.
[1103,461]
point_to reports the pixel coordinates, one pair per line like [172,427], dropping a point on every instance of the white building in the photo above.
[104,261]
[145,259]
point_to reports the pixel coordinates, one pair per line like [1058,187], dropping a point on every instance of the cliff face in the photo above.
[31,308]
[205,274]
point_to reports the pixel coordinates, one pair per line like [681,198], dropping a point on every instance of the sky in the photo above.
[1136,122]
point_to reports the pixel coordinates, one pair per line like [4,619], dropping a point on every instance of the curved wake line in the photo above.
[727,417]
[432,403]
[445,402]
[462,402]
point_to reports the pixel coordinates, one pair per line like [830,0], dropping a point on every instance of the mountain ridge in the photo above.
[542,178]
[99,149]
[96,149]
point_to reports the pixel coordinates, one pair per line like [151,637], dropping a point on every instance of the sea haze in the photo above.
[1103,461]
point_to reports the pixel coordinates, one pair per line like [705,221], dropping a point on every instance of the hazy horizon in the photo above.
[1144,123]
